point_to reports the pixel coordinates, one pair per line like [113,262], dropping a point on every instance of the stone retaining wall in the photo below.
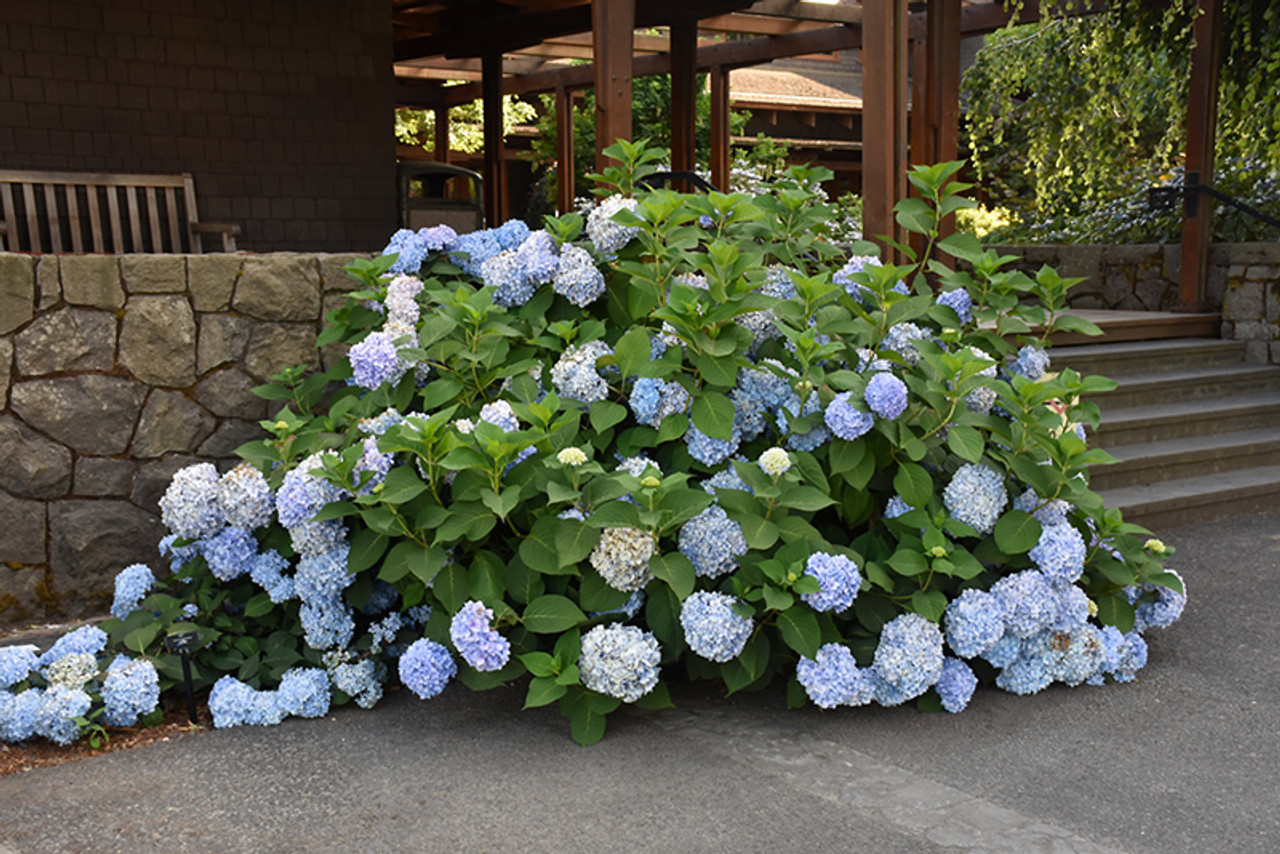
[116,371]
[1243,283]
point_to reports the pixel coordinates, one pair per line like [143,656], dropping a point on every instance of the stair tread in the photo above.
[1197,490]
[1121,349]
[1195,375]
[1218,406]
[1228,441]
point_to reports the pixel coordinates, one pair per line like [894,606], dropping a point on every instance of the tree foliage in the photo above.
[1070,119]
[466,124]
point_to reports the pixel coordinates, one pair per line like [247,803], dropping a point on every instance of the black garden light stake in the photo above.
[180,642]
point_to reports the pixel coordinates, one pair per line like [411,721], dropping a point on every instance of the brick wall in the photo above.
[282,110]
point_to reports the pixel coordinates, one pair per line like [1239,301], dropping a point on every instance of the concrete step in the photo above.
[1189,384]
[1141,357]
[1194,500]
[1193,456]
[1183,418]
[1141,326]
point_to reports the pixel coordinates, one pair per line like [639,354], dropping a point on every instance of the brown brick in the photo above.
[28,89]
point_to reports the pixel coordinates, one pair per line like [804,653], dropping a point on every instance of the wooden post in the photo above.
[884,117]
[495,176]
[442,134]
[720,128]
[935,94]
[565,165]
[613,23]
[1202,120]
[684,75]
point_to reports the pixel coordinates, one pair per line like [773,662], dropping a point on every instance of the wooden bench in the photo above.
[81,212]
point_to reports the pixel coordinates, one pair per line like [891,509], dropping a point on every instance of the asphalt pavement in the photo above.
[1185,759]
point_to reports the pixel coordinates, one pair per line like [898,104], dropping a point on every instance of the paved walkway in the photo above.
[1183,760]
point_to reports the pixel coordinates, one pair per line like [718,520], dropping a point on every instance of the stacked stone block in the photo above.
[1251,305]
[116,371]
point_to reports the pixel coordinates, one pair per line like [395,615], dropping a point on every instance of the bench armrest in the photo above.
[229,232]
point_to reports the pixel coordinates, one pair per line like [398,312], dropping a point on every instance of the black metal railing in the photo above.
[1164,198]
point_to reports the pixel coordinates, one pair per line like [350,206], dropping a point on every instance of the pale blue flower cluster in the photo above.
[86,640]
[816,435]
[500,414]
[901,340]
[132,585]
[960,302]
[426,668]
[401,301]
[411,248]
[512,233]
[895,507]
[1030,602]
[577,278]
[539,257]
[606,235]
[845,420]
[712,542]
[653,399]
[59,706]
[189,506]
[504,274]
[908,659]
[267,571]
[886,395]
[438,238]
[956,684]
[244,498]
[759,392]
[326,622]
[229,553]
[619,661]
[19,714]
[471,250]
[381,423]
[1158,612]
[974,622]
[374,361]
[1031,362]
[374,461]
[712,628]
[16,663]
[708,450]
[477,643]
[300,497]
[1045,512]
[359,680]
[976,496]
[1059,553]
[131,690]
[725,479]
[575,376]
[839,578]
[834,679]
[304,692]
[843,276]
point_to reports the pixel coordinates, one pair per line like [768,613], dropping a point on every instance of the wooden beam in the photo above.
[760,25]
[1202,120]
[884,98]
[720,157]
[495,183]
[843,12]
[613,22]
[442,134]
[684,73]
[565,166]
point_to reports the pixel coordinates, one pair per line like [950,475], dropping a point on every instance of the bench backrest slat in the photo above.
[6,199]
[73,215]
[33,221]
[135,223]
[51,211]
[175,235]
[113,216]
[95,219]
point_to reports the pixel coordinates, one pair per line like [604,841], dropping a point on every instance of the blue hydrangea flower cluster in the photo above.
[1045,512]
[477,643]
[725,479]
[1030,602]
[131,690]
[504,274]
[844,276]
[438,238]
[244,498]
[1059,553]
[812,438]
[712,542]
[189,506]
[16,663]
[976,496]
[401,301]
[575,376]
[133,583]
[374,361]
[72,671]
[19,714]
[908,659]
[1031,362]
[956,684]
[839,578]
[960,302]
[326,622]
[512,233]
[230,553]
[712,628]
[886,395]
[374,461]
[86,640]
[653,399]
[900,340]
[539,257]
[606,235]
[757,393]
[500,414]
[577,278]
[55,717]
[359,680]
[834,679]
[267,571]
[426,668]
[304,692]
[619,661]
[708,450]
[1158,612]
[471,250]
[974,622]
[411,248]
[845,420]
[621,556]
[381,423]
